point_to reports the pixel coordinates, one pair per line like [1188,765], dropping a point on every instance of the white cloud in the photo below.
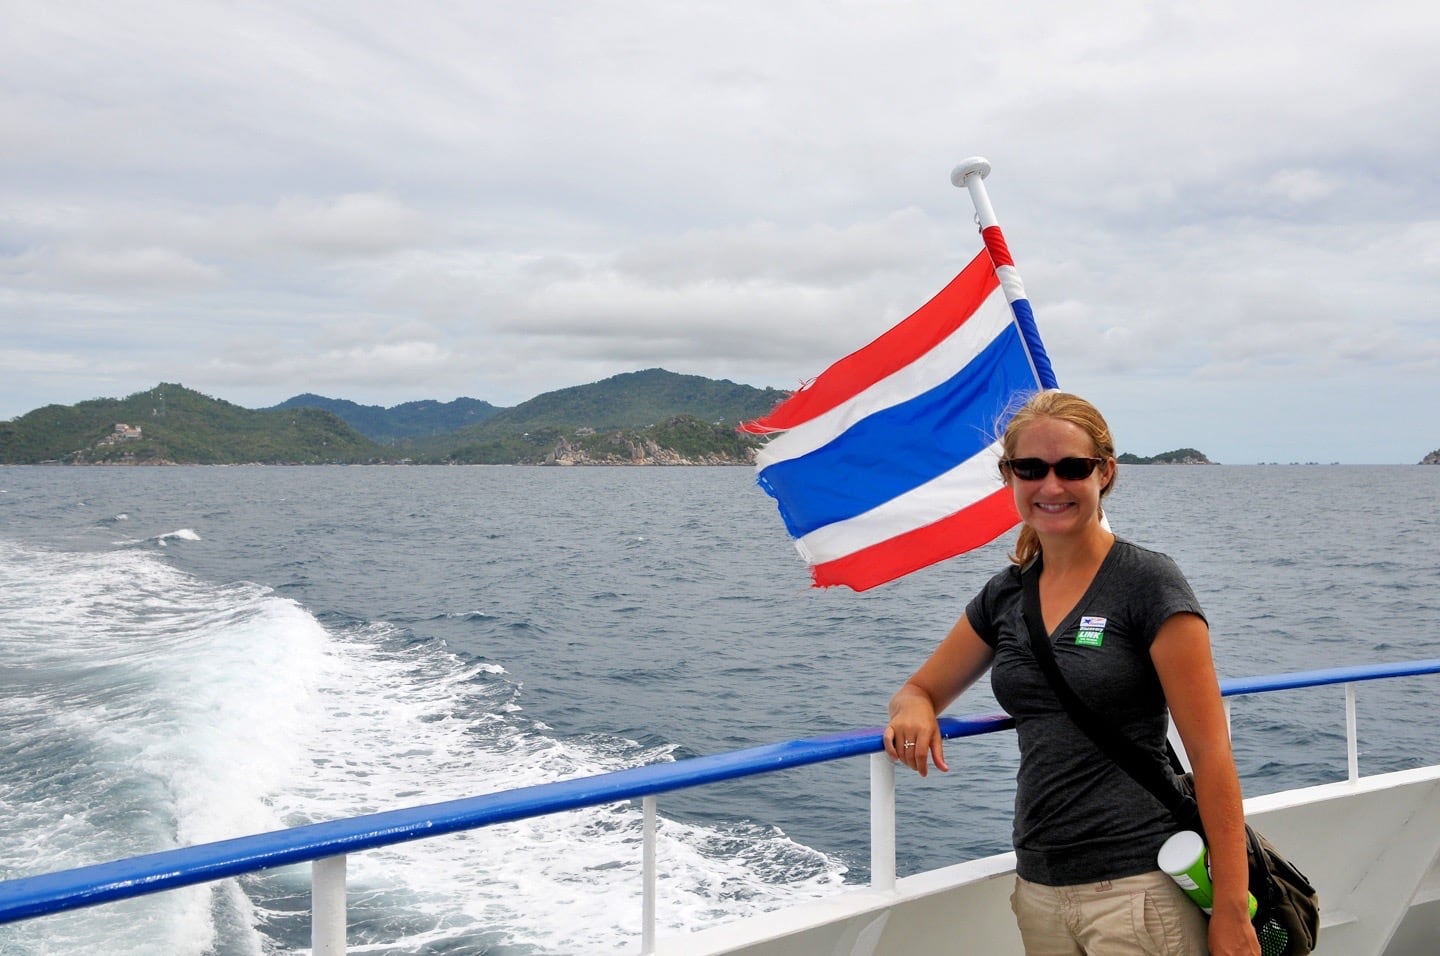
[1301,185]
[16,361]
[149,269]
[392,363]
[817,255]
[356,224]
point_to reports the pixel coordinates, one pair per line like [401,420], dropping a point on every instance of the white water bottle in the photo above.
[1186,858]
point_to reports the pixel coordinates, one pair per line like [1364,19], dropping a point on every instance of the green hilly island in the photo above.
[173,424]
[647,417]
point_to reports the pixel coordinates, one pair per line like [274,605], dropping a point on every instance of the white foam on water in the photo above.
[192,712]
[157,712]
[421,726]
[159,540]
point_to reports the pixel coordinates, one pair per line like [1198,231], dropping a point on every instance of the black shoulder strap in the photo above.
[1111,741]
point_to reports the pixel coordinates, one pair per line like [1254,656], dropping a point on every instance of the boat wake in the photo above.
[183,712]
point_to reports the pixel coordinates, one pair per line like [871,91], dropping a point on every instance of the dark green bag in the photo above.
[1287,919]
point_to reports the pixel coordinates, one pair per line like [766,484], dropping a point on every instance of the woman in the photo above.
[1086,834]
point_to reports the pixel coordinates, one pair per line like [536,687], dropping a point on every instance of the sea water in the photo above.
[190,654]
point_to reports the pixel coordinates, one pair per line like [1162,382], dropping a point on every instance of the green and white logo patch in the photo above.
[1091,633]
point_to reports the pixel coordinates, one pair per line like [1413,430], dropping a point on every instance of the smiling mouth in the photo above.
[1052,507]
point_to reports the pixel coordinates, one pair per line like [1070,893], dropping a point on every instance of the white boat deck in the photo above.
[1370,846]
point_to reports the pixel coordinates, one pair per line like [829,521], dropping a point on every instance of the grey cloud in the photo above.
[813,255]
[151,270]
[354,224]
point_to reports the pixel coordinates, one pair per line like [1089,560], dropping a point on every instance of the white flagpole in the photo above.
[970,174]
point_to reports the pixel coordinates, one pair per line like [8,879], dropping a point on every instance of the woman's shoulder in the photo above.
[1007,578]
[1129,552]
[997,599]
[1004,583]
[1153,578]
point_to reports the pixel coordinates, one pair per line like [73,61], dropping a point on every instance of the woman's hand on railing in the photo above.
[913,734]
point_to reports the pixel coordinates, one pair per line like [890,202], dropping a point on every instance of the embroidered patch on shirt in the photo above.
[1091,633]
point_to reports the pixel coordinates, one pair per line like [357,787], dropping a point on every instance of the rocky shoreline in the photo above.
[635,452]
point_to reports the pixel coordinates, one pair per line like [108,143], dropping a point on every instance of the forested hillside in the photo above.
[648,417]
[171,423]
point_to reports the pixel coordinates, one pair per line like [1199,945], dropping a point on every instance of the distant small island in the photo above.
[1180,456]
[1431,459]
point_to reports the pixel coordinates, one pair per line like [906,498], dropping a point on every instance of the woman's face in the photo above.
[1053,505]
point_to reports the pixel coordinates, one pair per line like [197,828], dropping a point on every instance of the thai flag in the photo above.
[888,461]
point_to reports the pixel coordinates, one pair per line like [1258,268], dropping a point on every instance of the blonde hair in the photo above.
[1064,407]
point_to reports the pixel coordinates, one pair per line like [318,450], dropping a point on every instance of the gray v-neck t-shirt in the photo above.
[1079,818]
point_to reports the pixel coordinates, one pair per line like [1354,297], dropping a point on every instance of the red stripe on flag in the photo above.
[930,325]
[995,245]
[969,528]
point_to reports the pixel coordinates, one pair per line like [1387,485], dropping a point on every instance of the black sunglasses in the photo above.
[1066,469]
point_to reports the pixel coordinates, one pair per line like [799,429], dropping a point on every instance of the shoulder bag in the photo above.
[1287,919]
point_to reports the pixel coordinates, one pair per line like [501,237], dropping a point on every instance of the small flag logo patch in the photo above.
[1091,633]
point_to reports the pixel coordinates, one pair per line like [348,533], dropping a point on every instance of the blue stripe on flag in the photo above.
[902,447]
[1025,317]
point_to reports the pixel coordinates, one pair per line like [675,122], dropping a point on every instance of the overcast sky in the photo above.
[1226,214]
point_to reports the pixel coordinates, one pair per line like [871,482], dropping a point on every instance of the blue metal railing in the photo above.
[170,869]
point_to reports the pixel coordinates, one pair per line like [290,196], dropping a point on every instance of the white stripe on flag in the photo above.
[1010,283]
[938,498]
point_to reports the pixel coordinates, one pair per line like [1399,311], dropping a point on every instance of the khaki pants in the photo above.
[1145,915]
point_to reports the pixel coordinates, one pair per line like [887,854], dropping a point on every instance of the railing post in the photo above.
[647,866]
[882,822]
[1352,738]
[327,906]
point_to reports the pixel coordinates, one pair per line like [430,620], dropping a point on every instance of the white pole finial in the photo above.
[968,168]
[970,175]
